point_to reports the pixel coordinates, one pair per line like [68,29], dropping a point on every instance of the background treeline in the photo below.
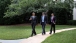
[19,11]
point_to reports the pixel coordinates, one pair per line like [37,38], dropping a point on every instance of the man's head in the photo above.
[43,13]
[52,14]
[33,13]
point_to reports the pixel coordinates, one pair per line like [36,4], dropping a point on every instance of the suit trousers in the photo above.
[52,28]
[33,29]
[43,28]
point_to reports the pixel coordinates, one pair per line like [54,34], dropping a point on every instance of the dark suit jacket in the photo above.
[34,21]
[54,19]
[45,20]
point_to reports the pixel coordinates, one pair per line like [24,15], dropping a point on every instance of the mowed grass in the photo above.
[63,37]
[23,31]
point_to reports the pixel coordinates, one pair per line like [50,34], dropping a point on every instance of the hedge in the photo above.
[62,15]
[71,22]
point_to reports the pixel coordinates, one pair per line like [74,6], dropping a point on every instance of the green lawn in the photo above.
[24,31]
[63,37]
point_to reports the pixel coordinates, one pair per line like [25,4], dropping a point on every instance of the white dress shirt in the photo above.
[42,18]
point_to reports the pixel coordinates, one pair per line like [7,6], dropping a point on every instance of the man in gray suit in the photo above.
[33,19]
[43,22]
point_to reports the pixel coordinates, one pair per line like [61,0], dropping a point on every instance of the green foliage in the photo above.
[63,11]
[3,8]
[19,11]
[71,22]
[62,15]
[19,7]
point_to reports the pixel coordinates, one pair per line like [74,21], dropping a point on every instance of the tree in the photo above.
[19,7]
[3,8]
[18,10]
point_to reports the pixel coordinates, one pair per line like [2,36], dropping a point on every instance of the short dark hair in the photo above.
[52,13]
[43,12]
[33,12]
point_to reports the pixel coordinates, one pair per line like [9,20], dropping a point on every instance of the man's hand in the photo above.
[54,23]
[30,19]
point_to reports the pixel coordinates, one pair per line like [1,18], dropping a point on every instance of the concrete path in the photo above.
[39,38]
[11,41]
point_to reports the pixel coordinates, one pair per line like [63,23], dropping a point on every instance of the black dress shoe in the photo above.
[42,33]
[49,33]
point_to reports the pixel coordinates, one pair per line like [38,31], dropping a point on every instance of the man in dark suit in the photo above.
[33,19]
[53,22]
[43,22]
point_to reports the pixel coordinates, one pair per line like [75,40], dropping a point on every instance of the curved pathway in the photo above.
[39,38]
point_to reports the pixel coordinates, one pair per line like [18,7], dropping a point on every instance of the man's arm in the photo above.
[54,20]
[36,20]
[40,20]
[46,19]
[30,18]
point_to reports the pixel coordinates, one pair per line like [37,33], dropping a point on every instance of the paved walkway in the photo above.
[35,39]
[10,41]
[39,38]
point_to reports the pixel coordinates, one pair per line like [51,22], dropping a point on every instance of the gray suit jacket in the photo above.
[34,20]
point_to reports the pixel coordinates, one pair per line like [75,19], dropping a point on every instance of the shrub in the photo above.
[62,15]
[71,22]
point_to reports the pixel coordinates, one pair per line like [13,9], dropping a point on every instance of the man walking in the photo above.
[53,22]
[33,19]
[43,23]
